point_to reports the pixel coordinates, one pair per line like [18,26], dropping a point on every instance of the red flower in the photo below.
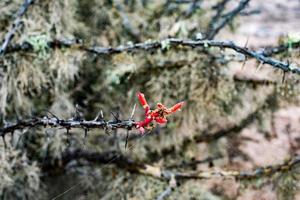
[159,114]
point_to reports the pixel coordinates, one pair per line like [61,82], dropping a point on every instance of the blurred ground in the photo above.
[274,18]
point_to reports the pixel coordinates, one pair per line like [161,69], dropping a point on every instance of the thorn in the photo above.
[133,111]
[127,136]
[283,77]
[85,135]
[259,66]
[244,63]
[246,44]
[12,137]
[68,133]
[101,114]
[5,145]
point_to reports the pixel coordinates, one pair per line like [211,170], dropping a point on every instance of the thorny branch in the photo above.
[171,42]
[15,26]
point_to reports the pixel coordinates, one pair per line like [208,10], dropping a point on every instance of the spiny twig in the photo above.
[171,42]
[216,26]
[15,26]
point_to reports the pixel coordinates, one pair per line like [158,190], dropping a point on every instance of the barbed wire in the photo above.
[166,44]
[77,121]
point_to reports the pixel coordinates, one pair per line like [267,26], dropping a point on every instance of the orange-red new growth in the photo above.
[159,114]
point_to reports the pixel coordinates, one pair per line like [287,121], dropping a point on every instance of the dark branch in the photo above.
[217,25]
[219,7]
[15,26]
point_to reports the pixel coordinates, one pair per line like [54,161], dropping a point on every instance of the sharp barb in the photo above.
[68,134]
[126,141]
[259,66]
[247,41]
[133,111]
[12,138]
[85,135]
[101,114]
[283,77]
[4,142]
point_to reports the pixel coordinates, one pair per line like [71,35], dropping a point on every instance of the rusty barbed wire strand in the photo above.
[170,42]
[270,51]
[15,26]
[54,121]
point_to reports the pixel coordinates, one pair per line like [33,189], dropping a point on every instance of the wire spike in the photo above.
[126,141]
[12,137]
[85,136]
[4,142]
[259,66]
[133,111]
[68,135]
[283,77]
[85,133]
[99,116]
[247,41]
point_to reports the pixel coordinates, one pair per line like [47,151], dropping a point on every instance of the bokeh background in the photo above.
[257,111]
